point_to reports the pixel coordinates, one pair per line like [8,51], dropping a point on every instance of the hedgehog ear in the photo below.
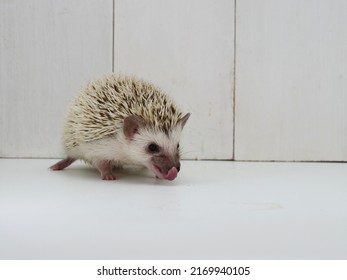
[184,119]
[131,126]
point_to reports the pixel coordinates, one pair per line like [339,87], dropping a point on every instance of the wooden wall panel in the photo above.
[48,49]
[291,82]
[187,48]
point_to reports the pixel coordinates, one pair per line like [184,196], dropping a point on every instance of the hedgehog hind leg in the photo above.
[60,165]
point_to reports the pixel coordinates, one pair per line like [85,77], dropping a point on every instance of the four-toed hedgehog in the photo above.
[120,120]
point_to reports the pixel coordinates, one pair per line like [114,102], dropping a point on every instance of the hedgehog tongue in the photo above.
[171,174]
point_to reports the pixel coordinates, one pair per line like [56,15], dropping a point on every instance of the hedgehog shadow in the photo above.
[131,175]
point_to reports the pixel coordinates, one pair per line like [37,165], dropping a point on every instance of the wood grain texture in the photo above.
[291,82]
[186,47]
[48,49]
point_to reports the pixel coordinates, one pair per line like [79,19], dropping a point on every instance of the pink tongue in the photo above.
[171,174]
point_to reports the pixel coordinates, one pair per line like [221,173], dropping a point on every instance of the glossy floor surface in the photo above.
[213,210]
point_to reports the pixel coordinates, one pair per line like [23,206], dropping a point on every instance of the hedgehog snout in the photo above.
[165,163]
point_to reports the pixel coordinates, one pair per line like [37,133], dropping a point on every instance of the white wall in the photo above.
[50,48]
[47,50]
[187,47]
[291,80]
[291,84]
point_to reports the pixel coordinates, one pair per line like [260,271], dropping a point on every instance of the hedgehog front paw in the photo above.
[108,177]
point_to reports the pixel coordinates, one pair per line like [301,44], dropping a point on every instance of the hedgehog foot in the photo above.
[60,165]
[108,177]
[105,168]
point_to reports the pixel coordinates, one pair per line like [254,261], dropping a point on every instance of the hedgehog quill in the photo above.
[121,120]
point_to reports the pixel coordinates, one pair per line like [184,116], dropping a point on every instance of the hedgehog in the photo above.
[121,120]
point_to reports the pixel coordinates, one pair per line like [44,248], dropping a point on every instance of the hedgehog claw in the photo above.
[108,177]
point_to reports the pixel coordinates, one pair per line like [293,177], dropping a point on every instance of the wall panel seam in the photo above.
[113,33]
[234,83]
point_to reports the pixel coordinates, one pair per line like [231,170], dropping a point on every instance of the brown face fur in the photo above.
[165,161]
[157,150]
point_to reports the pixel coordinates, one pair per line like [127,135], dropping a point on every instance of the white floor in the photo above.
[213,210]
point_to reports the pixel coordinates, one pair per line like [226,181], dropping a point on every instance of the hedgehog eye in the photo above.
[178,145]
[153,148]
